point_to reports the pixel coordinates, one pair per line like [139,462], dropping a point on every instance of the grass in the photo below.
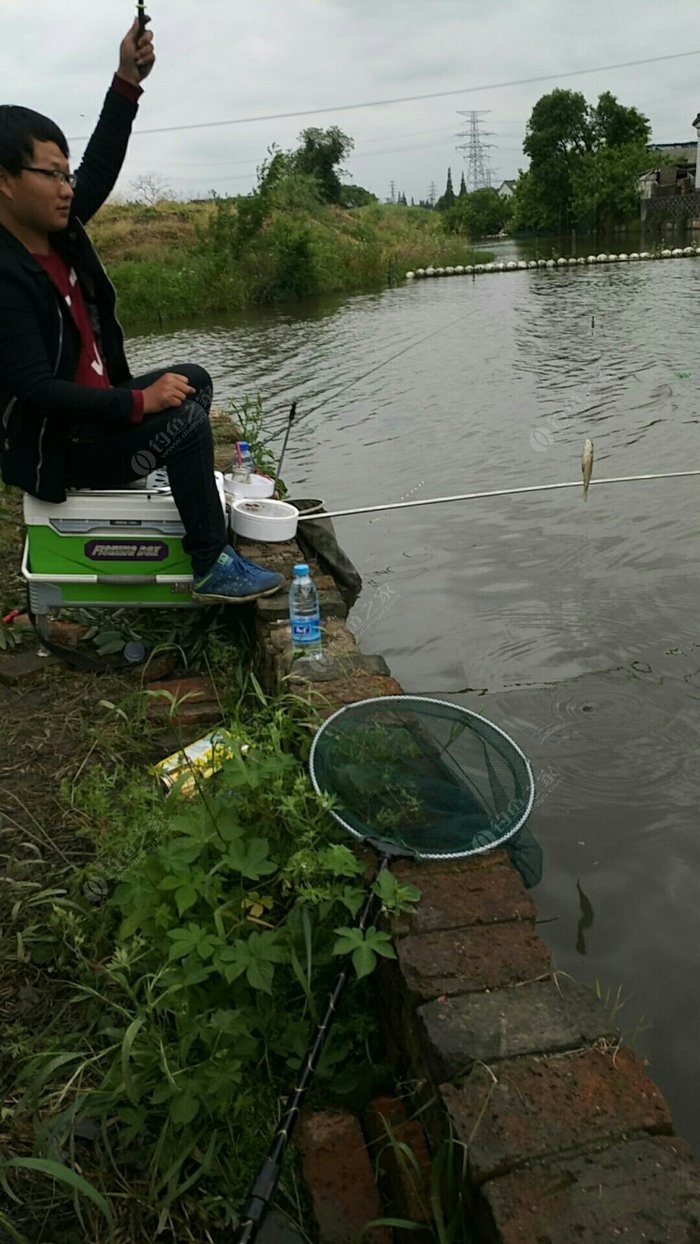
[183,257]
[140,1094]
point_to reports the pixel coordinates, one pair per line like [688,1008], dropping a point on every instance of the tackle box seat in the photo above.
[111,548]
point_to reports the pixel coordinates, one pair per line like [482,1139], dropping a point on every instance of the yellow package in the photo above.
[200,760]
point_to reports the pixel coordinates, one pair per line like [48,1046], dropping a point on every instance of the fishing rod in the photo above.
[290,421]
[496,492]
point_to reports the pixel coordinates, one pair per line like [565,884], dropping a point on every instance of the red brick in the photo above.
[647,1190]
[274,554]
[159,668]
[359,685]
[67,634]
[537,1107]
[404,1180]
[193,688]
[338,1175]
[407,870]
[491,1026]
[461,897]
[459,961]
[197,703]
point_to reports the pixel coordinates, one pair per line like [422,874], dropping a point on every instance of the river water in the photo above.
[573,625]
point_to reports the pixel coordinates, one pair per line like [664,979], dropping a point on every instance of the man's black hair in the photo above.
[20,128]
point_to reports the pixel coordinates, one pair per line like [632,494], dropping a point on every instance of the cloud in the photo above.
[220,61]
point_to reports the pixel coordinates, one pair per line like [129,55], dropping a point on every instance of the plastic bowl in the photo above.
[266,520]
[259,487]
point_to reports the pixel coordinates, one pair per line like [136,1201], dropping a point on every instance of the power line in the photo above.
[404,99]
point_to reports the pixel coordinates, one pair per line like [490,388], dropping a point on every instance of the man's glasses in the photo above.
[56,175]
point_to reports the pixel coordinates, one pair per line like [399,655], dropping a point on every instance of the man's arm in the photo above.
[106,150]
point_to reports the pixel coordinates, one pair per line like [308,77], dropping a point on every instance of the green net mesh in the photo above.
[422,776]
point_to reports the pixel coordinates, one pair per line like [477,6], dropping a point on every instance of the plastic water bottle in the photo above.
[305,616]
[243,465]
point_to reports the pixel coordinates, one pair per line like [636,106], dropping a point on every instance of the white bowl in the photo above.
[269,521]
[258,487]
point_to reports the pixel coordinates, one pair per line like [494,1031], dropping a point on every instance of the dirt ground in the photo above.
[50,722]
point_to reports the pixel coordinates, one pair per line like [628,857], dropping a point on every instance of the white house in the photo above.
[506,189]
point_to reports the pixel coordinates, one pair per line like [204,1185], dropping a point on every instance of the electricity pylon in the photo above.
[478,173]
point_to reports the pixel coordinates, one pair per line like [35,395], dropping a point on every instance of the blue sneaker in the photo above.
[234,580]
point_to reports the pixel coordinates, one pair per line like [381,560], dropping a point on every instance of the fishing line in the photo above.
[377,367]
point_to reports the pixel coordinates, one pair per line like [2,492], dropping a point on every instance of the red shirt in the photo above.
[91,370]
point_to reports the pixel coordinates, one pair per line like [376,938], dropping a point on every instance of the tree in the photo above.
[479,214]
[462,187]
[356,196]
[150,189]
[565,139]
[447,199]
[617,126]
[319,154]
[558,132]
[604,185]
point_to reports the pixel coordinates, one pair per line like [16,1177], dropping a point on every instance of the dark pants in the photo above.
[179,439]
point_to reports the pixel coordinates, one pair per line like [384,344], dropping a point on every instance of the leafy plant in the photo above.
[9,638]
[248,417]
[197,982]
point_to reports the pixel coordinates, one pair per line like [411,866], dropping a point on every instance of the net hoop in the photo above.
[456,708]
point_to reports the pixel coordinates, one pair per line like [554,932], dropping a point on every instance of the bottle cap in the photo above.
[300,570]
[134,652]
[244,447]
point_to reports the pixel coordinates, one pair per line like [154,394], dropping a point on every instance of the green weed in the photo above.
[195,983]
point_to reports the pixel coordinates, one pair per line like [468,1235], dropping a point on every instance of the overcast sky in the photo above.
[223,60]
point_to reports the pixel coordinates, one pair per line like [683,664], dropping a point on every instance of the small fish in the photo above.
[587,466]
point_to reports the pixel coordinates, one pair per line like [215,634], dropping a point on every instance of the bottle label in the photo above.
[306,631]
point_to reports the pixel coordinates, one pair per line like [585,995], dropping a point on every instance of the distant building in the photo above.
[672,188]
[506,189]
[675,175]
[683,153]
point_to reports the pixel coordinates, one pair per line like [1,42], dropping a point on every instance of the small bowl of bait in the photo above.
[265,520]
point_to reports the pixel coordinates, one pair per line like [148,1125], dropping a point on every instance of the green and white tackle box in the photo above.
[116,548]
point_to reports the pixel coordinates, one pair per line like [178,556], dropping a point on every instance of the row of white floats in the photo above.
[474,269]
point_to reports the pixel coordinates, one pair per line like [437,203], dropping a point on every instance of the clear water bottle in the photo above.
[305,617]
[243,465]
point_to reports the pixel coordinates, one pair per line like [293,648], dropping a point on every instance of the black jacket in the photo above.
[39,343]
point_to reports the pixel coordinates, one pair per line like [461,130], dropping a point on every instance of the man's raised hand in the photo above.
[136,55]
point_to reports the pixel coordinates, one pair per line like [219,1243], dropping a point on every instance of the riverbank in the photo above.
[179,260]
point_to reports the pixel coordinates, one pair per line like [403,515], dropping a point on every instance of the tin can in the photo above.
[199,761]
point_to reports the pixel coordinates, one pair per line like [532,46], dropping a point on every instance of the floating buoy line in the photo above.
[522,265]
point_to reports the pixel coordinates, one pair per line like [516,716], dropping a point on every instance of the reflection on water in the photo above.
[572,625]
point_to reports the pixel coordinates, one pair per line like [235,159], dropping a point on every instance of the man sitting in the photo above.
[71,415]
